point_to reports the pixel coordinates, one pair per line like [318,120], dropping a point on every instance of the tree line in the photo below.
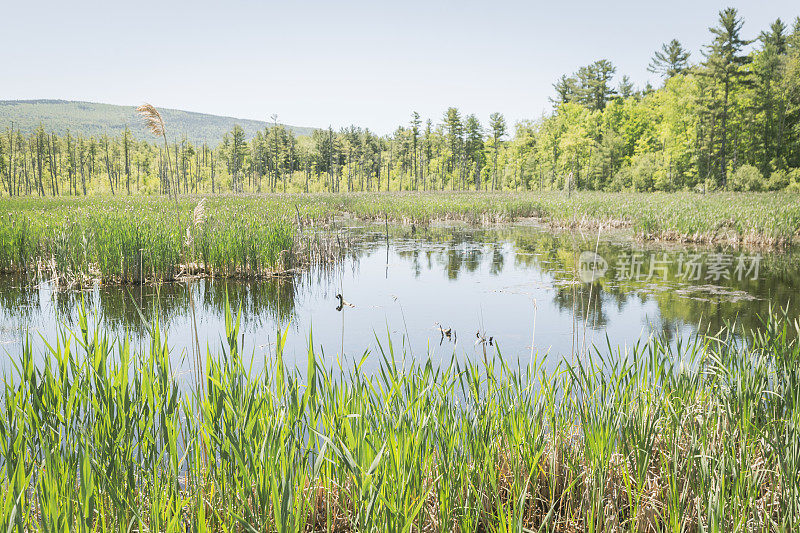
[454,155]
[730,120]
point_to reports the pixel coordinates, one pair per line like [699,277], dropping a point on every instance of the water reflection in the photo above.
[496,280]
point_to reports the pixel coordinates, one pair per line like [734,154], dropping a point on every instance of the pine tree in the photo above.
[625,89]
[237,151]
[455,130]
[415,123]
[724,61]
[497,123]
[595,84]
[769,69]
[566,88]
[670,61]
[474,147]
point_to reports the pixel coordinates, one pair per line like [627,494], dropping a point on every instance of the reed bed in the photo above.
[703,436]
[771,219]
[140,239]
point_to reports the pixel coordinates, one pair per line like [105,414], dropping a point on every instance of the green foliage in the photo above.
[104,436]
[644,172]
[778,180]
[739,106]
[140,239]
[589,86]
[747,178]
[671,60]
[794,179]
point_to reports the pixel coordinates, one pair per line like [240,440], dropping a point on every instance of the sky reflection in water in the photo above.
[494,281]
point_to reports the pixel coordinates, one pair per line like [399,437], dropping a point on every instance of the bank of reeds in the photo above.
[141,239]
[704,436]
[770,219]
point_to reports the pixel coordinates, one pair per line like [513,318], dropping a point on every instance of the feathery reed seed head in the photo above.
[152,119]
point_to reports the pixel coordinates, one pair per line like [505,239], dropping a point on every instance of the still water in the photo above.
[523,285]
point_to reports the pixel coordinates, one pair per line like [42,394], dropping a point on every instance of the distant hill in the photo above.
[89,119]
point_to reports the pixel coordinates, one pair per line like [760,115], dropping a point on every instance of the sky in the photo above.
[345,62]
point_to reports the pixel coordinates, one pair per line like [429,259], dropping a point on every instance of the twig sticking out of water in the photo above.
[446,332]
[481,339]
[343,303]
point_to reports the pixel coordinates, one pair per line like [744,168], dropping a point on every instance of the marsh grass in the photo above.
[729,218]
[141,239]
[702,436]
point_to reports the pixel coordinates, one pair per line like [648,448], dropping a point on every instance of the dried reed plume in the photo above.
[200,213]
[197,222]
[154,122]
[152,119]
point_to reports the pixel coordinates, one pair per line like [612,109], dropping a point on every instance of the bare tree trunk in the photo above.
[38,167]
[723,160]
[109,172]
[83,178]
[212,171]
[51,151]
[126,150]
[12,163]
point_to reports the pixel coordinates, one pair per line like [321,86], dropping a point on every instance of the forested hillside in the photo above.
[90,119]
[725,118]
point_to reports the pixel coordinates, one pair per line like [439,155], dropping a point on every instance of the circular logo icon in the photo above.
[591,266]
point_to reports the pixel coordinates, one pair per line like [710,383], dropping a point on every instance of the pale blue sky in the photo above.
[321,63]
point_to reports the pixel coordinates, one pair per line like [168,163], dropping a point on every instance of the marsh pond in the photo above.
[443,290]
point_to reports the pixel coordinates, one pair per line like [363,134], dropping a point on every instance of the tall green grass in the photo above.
[132,240]
[765,219]
[704,436]
[135,239]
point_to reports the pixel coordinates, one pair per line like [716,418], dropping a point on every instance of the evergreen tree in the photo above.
[415,123]
[769,68]
[497,124]
[670,61]
[237,152]
[625,89]
[455,131]
[724,61]
[566,88]
[595,84]
[474,147]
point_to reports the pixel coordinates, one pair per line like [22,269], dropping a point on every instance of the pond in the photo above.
[511,287]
